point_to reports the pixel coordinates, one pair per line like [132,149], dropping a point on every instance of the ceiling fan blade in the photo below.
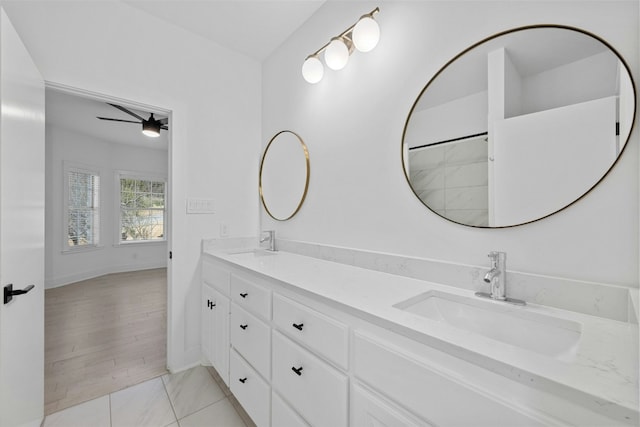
[117,120]
[131,113]
[164,121]
[164,127]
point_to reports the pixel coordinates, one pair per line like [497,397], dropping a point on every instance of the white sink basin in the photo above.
[255,252]
[515,325]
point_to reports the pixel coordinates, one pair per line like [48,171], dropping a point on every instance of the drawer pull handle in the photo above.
[297,370]
[298,326]
[242,380]
[244,295]
[243,327]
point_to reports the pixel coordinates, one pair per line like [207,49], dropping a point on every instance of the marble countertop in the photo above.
[603,374]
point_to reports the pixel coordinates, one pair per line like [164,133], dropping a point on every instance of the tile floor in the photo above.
[193,398]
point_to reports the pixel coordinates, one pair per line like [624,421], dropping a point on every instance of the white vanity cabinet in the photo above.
[299,359]
[215,318]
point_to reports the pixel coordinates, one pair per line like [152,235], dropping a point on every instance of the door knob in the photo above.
[9,293]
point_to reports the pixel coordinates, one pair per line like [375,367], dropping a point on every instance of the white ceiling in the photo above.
[253,27]
[78,114]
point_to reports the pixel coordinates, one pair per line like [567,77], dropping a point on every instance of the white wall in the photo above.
[578,81]
[214,96]
[352,122]
[107,158]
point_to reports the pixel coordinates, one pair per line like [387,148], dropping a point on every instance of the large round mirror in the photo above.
[518,126]
[284,175]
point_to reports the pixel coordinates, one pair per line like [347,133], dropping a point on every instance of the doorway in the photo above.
[106,245]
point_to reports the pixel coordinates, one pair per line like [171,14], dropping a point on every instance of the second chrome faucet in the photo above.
[269,236]
[496,277]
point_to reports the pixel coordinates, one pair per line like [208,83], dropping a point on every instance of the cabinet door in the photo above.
[221,336]
[207,321]
[368,410]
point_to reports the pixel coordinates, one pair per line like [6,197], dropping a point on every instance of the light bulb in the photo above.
[312,69]
[336,54]
[366,34]
[151,133]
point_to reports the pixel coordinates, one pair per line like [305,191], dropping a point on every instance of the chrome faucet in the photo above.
[269,236]
[497,279]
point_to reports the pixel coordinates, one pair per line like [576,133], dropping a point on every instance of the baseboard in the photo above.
[85,275]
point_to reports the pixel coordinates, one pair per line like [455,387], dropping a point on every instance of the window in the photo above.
[142,209]
[83,208]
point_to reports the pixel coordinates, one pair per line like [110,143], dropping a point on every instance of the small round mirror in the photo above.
[284,175]
[518,126]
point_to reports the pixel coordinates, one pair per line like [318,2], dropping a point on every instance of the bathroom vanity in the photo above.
[303,341]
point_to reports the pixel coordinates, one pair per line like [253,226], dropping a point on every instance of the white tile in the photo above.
[427,179]
[466,152]
[467,198]
[220,414]
[94,413]
[192,390]
[469,175]
[145,404]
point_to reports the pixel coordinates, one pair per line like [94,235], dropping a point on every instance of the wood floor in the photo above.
[104,334]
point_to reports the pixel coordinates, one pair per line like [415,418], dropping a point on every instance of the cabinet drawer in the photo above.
[251,337]
[251,391]
[427,390]
[282,415]
[317,391]
[216,276]
[320,333]
[369,410]
[251,296]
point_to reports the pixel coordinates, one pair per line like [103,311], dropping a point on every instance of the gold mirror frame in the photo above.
[404,160]
[306,184]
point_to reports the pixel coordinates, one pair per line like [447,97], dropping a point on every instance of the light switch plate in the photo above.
[200,206]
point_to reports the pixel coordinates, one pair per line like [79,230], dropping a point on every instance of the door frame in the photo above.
[169,187]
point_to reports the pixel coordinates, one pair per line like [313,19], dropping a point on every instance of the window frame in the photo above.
[69,167]
[139,176]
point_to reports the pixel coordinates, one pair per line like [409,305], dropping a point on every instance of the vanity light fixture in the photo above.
[363,35]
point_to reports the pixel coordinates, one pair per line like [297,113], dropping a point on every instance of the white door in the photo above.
[21,232]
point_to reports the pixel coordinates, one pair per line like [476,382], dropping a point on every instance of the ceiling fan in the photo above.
[150,127]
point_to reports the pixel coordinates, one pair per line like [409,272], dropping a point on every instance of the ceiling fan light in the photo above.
[151,127]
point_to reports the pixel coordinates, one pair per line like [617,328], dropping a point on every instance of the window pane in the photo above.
[83,217]
[143,187]
[142,224]
[141,210]
[158,188]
